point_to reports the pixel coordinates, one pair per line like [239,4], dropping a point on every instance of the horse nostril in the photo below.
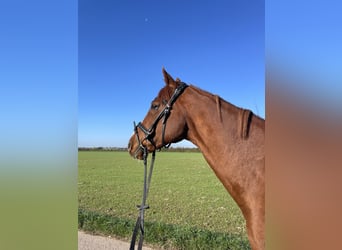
[129,146]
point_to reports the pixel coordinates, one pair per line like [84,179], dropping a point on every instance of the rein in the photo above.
[139,225]
[149,134]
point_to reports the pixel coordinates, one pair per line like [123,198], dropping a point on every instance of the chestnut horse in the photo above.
[230,138]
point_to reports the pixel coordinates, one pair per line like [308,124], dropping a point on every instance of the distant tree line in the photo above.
[181,149]
[101,149]
[118,149]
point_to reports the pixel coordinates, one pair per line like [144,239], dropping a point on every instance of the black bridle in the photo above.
[149,134]
[165,113]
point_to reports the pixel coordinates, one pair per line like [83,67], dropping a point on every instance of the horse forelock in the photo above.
[166,93]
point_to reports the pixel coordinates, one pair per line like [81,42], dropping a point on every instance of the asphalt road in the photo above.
[95,242]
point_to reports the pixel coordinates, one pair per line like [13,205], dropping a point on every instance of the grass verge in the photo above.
[163,235]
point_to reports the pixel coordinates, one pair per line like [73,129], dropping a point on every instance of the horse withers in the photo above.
[231,139]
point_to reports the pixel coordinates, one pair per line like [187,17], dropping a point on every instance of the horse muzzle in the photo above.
[134,148]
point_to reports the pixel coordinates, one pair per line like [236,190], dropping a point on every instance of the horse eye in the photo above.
[155,106]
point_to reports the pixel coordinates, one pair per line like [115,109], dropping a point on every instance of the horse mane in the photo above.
[245,115]
[245,121]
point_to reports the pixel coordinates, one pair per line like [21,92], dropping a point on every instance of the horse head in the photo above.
[164,122]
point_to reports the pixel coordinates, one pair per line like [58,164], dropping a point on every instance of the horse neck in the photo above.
[209,120]
[214,126]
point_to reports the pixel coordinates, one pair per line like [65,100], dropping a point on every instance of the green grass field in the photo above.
[189,207]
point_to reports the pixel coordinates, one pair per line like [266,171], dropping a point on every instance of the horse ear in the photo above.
[168,79]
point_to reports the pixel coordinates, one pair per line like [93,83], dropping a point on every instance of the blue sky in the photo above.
[123,45]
